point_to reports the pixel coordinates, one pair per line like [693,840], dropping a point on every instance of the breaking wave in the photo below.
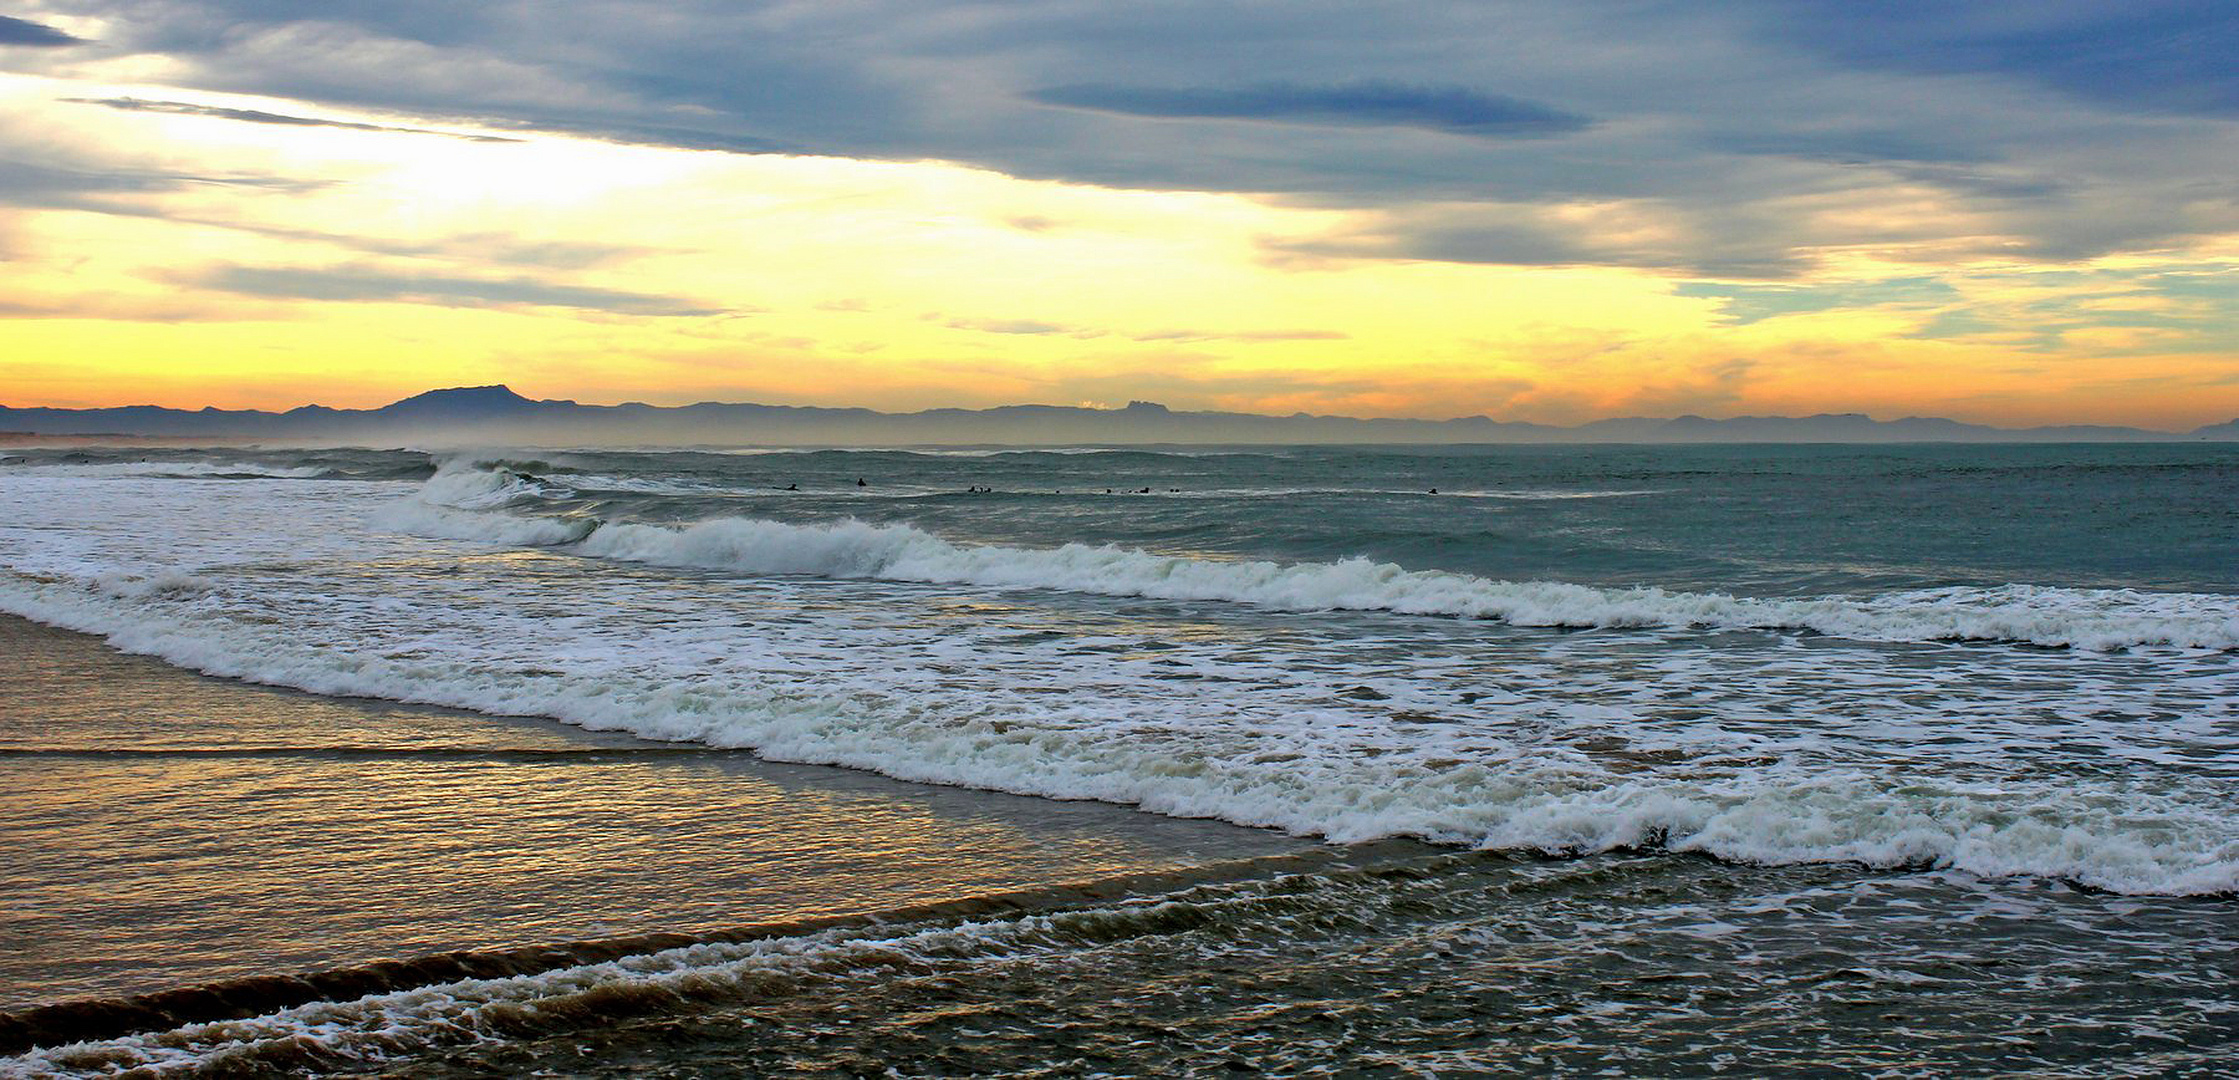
[1266,740]
[2130,838]
[467,505]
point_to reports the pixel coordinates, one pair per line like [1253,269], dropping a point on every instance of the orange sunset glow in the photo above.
[351,212]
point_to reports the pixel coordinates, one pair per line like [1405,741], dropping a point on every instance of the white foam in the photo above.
[422,519]
[1306,766]
[2109,769]
[2098,619]
[1551,494]
[389,1026]
[176,470]
[1497,494]
[474,488]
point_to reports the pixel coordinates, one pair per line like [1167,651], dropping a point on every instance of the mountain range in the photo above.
[495,414]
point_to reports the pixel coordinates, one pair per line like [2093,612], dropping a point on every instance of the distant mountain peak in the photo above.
[461,403]
[479,394]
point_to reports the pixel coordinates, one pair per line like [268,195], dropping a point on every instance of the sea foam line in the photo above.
[2131,839]
[466,505]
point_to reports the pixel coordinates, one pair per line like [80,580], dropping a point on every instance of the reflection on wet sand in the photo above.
[304,832]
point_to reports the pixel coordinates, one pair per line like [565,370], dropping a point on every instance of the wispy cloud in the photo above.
[258,116]
[119,188]
[1183,336]
[1741,305]
[361,284]
[1021,326]
[1451,109]
[1037,327]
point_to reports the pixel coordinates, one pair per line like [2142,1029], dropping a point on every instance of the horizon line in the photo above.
[1138,406]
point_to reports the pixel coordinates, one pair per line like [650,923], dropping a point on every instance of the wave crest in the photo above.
[2095,619]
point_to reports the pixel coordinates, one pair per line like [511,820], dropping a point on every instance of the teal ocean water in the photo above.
[1869,758]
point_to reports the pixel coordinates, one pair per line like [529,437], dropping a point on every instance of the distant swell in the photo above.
[469,505]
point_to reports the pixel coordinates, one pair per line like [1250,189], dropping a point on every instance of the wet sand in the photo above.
[164,829]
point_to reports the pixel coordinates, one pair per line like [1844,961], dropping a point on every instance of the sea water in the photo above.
[1865,757]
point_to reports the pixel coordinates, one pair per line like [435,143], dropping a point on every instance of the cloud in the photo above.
[256,116]
[352,284]
[1852,145]
[2164,55]
[1025,327]
[1452,109]
[471,247]
[1241,335]
[2041,311]
[1395,393]
[112,309]
[14,31]
[1761,137]
[1036,327]
[118,189]
[1721,241]
[1013,326]
[1744,304]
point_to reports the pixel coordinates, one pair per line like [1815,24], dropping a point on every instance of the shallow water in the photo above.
[164,829]
[1403,966]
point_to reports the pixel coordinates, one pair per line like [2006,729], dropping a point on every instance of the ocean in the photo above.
[1639,758]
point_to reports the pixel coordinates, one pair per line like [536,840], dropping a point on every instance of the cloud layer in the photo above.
[14,31]
[1737,140]
[1452,109]
[1549,207]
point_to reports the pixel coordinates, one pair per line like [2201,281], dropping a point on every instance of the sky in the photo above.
[2012,213]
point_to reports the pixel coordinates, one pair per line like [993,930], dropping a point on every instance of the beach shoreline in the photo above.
[356,831]
[1822,835]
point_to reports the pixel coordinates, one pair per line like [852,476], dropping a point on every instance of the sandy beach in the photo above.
[167,829]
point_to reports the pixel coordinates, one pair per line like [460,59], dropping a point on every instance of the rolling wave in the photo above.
[465,505]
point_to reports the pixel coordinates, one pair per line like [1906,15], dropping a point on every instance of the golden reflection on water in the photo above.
[161,828]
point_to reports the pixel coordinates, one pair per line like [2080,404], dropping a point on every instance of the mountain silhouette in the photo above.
[496,414]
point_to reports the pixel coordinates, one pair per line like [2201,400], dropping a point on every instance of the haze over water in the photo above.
[1909,757]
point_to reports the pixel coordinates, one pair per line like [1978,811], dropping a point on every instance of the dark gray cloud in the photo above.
[1727,242]
[1857,146]
[33,183]
[1756,135]
[116,189]
[14,31]
[358,283]
[2173,55]
[258,116]
[1452,109]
